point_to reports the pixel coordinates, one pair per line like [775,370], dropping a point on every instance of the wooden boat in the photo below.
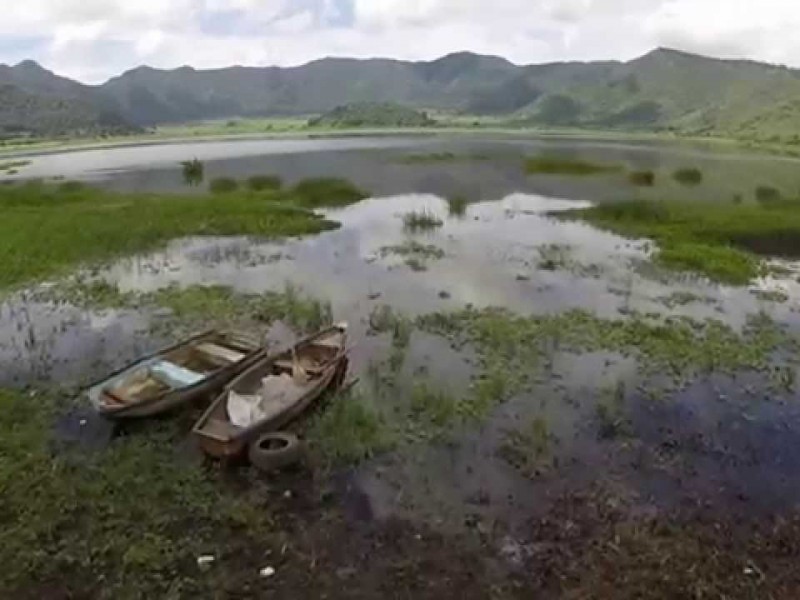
[175,376]
[275,391]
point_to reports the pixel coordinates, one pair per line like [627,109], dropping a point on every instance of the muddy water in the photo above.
[711,443]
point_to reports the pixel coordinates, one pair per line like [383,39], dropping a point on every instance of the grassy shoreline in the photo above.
[47,231]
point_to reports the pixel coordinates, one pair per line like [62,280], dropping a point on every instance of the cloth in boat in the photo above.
[175,376]
[277,394]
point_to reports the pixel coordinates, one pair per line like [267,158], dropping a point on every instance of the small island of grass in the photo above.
[554,165]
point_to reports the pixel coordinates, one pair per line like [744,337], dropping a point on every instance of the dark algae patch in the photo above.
[719,240]
[688,176]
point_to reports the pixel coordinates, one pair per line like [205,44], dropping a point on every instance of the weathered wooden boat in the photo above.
[175,376]
[273,392]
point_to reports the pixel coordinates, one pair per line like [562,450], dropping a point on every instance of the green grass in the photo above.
[348,431]
[642,178]
[327,191]
[529,449]
[421,220]
[130,521]
[688,176]
[457,206]
[223,185]
[259,183]
[553,165]
[46,231]
[716,240]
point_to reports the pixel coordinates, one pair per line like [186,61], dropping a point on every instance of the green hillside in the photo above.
[665,90]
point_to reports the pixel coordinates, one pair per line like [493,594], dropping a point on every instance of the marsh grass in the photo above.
[457,206]
[259,183]
[46,230]
[554,165]
[716,240]
[530,448]
[613,421]
[349,431]
[193,172]
[767,195]
[327,191]
[421,220]
[132,519]
[223,185]
[688,176]
[642,178]
[442,157]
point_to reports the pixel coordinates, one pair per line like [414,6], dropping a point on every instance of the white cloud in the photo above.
[95,39]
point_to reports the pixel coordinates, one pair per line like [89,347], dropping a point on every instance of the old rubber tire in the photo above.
[273,451]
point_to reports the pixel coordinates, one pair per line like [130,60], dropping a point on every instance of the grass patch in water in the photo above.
[327,191]
[529,449]
[766,195]
[441,157]
[457,206]
[223,185]
[553,165]
[259,183]
[416,255]
[720,241]
[47,230]
[688,176]
[421,220]
[14,165]
[126,522]
[642,178]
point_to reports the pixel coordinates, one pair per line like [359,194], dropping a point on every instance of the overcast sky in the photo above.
[92,40]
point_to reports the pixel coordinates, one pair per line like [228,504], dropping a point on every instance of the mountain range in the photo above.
[662,90]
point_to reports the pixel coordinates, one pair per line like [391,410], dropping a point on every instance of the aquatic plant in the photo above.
[223,185]
[688,176]
[642,178]
[554,165]
[259,183]
[14,165]
[457,205]
[421,220]
[193,172]
[348,431]
[46,230]
[413,248]
[766,194]
[716,240]
[328,191]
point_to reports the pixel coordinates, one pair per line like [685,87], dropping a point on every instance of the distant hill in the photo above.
[372,114]
[663,90]
[34,101]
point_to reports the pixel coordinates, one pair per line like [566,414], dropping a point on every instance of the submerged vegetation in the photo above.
[642,178]
[688,176]
[421,220]
[553,165]
[442,157]
[327,191]
[46,230]
[416,255]
[193,172]
[716,240]
[457,205]
[13,165]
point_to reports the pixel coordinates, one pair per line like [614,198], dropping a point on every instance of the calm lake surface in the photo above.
[494,256]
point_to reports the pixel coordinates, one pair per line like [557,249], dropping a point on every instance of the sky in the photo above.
[93,40]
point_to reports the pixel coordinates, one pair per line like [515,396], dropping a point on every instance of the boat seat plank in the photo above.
[220,353]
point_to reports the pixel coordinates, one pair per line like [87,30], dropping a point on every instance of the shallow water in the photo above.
[727,440]
[377,165]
